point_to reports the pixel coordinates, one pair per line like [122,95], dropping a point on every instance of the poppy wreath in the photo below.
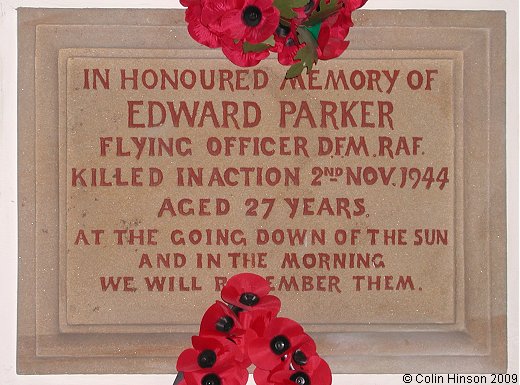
[299,31]
[245,330]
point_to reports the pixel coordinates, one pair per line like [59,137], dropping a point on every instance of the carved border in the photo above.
[477,343]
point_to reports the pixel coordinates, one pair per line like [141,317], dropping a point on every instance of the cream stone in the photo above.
[369,192]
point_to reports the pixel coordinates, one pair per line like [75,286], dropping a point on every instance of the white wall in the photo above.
[8,196]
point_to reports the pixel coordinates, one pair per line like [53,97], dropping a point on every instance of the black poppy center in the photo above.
[225,324]
[249,299]
[207,359]
[299,357]
[282,30]
[290,42]
[252,16]
[235,309]
[280,344]
[308,8]
[300,378]
[210,379]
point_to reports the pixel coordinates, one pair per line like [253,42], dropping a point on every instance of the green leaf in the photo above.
[295,70]
[325,10]
[248,47]
[286,7]
[270,41]
[315,30]
[307,55]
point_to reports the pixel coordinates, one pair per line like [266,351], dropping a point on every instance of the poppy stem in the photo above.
[179,378]
[285,21]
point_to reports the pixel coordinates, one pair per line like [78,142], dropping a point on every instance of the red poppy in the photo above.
[330,46]
[301,356]
[212,361]
[316,371]
[251,20]
[355,4]
[261,377]
[248,291]
[228,376]
[299,361]
[207,352]
[304,12]
[219,320]
[333,31]
[256,323]
[282,338]
[235,53]
[203,22]
[286,44]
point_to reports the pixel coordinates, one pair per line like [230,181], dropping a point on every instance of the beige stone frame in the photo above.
[476,342]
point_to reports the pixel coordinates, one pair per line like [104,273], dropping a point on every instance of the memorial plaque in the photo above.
[369,191]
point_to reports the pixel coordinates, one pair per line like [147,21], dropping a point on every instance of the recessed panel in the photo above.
[369,191]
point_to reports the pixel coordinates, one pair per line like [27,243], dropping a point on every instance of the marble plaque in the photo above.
[370,192]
